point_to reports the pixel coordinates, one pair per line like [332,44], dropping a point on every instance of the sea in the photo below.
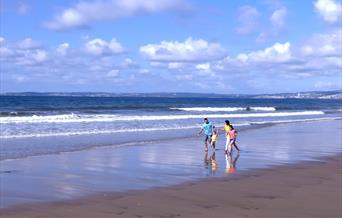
[40,125]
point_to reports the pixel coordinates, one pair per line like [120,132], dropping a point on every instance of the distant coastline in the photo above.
[337,94]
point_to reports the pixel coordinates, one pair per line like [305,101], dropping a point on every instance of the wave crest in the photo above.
[74,118]
[224,109]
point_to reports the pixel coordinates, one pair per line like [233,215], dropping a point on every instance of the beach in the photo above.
[170,108]
[282,171]
[309,189]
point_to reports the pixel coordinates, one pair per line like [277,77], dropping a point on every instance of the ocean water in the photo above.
[36,125]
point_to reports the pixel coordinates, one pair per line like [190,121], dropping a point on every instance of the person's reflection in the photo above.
[206,160]
[213,163]
[230,163]
[210,163]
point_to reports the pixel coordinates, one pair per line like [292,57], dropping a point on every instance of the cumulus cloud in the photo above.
[63,49]
[28,43]
[32,57]
[328,44]
[74,66]
[175,65]
[329,10]
[4,50]
[101,47]
[82,14]
[203,67]
[24,52]
[278,17]
[191,50]
[276,53]
[113,73]
[247,17]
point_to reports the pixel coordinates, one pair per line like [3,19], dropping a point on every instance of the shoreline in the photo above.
[305,189]
[27,141]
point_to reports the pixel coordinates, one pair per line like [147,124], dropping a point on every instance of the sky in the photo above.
[203,46]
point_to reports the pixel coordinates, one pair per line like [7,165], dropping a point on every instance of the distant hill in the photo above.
[309,95]
[300,95]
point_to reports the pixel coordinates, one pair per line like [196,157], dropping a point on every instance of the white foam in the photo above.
[224,109]
[72,118]
[94,132]
[263,108]
[295,120]
[211,109]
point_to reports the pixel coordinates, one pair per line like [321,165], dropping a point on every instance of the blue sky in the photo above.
[260,46]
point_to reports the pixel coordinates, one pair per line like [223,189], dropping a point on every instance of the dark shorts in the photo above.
[207,138]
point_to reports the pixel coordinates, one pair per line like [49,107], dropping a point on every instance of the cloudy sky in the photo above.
[227,46]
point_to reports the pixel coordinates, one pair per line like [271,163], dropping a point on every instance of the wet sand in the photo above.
[309,189]
[288,172]
[73,175]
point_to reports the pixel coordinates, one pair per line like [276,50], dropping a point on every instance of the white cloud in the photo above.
[175,65]
[84,13]
[278,18]
[70,65]
[4,50]
[188,51]
[205,70]
[32,57]
[113,73]
[276,53]
[203,67]
[329,10]
[328,44]
[63,49]
[128,63]
[39,56]
[101,47]
[28,43]
[247,17]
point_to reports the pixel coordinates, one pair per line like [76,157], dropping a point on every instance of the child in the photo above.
[232,135]
[214,137]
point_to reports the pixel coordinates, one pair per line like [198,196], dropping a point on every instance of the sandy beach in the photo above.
[273,176]
[309,189]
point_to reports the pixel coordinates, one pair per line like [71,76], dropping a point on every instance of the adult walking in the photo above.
[230,137]
[207,128]
[227,128]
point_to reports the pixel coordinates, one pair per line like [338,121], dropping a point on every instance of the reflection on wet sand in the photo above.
[210,163]
[231,163]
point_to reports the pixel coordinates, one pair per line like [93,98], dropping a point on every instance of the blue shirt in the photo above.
[208,128]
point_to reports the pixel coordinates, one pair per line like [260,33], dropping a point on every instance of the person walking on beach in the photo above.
[229,140]
[214,138]
[232,136]
[226,128]
[207,128]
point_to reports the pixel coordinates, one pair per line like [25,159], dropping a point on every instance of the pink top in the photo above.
[232,134]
